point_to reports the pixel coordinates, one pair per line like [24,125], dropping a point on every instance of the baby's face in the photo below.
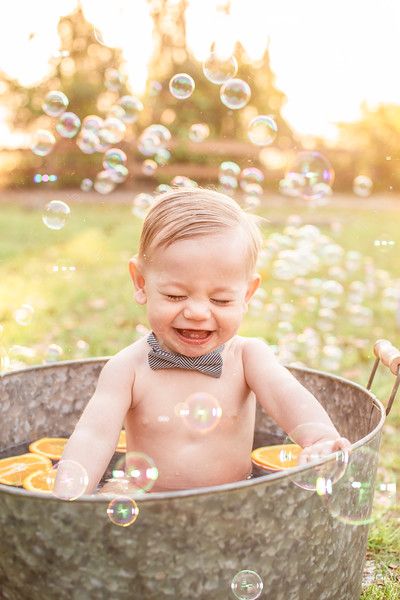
[197,291]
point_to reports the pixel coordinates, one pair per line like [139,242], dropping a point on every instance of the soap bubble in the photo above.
[149,167]
[154,139]
[218,70]
[116,111]
[114,157]
[42,142]
[82,349]
[53,353]
[262,130]
[71,481]
[330,471]
[131,106]
[183,181]
[142,204]
[384,242]
[113,79]
[122,511]
[104,183]
[136,472]
[350,500]
[162,188]
[55,104]
[24,315]
[229,168]
[250,177]
[68,125]
[87,141]
[331,293]
[198,132]
[181,86]
[86,184]
[155,88]
[228,184]
[362,186]
[331,357]
[247,585]
[111,131]
[200,412]
[235,94]
[162,157]
[118,174]
[92,123]
[56,214]
[308,170]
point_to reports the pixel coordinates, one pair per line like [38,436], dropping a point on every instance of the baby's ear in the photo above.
[253,284]
[137,277]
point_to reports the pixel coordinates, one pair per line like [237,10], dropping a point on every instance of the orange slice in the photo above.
[121,446]
[40,481]
[276,458]
[50,447]
[14,469]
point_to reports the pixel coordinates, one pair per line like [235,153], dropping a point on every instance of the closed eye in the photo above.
[175,298]
[220,301]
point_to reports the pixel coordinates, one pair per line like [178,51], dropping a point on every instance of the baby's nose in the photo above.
[196,310]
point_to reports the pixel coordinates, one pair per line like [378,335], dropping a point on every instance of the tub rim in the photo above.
[268,479]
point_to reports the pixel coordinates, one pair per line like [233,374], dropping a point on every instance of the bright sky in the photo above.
[328,56]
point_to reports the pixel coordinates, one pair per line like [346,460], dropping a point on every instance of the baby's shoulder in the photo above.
[252,347]
[128,359]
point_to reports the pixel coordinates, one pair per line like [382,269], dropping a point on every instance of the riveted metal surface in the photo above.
[186,544]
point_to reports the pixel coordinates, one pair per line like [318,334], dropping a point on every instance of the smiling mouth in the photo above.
[194,334]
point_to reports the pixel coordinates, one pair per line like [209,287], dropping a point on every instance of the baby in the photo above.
[195,272]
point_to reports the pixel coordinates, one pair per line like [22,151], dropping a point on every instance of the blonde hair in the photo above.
[195,212]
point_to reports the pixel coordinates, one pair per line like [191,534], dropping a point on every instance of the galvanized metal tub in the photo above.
[187,544]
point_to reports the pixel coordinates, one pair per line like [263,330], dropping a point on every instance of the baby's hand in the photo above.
[322,448]
[114,487]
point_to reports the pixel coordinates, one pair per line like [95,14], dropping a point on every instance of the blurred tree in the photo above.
[372,148]
[171,56]
[78,70]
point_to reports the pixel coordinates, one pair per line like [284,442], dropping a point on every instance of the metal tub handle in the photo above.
[390,356]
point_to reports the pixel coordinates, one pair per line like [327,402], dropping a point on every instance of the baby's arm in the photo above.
[289,403]
[95,437]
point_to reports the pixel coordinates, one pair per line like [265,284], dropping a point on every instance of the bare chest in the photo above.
[177,400]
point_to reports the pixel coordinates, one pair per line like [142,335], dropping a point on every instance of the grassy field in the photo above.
[76,280]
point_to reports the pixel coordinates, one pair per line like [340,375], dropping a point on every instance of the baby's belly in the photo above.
[199,464]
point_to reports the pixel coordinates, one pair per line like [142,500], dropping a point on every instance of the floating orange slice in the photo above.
[276,458]
[40,481]
[121,446]
[14,469]
[50,447]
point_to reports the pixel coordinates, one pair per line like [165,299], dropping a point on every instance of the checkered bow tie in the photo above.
[209,364]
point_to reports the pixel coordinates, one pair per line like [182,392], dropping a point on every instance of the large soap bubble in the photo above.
[68,125]
[262,130]
[218,70]
[181,86]
[310,174]
[55,104]
[247,585]
[42,142]
[56,214]
[131,107]
[235,93]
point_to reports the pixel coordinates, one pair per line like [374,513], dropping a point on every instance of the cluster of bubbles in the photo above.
[311,282]
[249,180]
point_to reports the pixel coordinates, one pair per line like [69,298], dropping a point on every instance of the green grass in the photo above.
[95,303]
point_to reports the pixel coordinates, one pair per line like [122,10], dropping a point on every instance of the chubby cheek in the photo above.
[161,314]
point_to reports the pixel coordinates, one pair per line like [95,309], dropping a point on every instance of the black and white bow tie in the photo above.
[209,364]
